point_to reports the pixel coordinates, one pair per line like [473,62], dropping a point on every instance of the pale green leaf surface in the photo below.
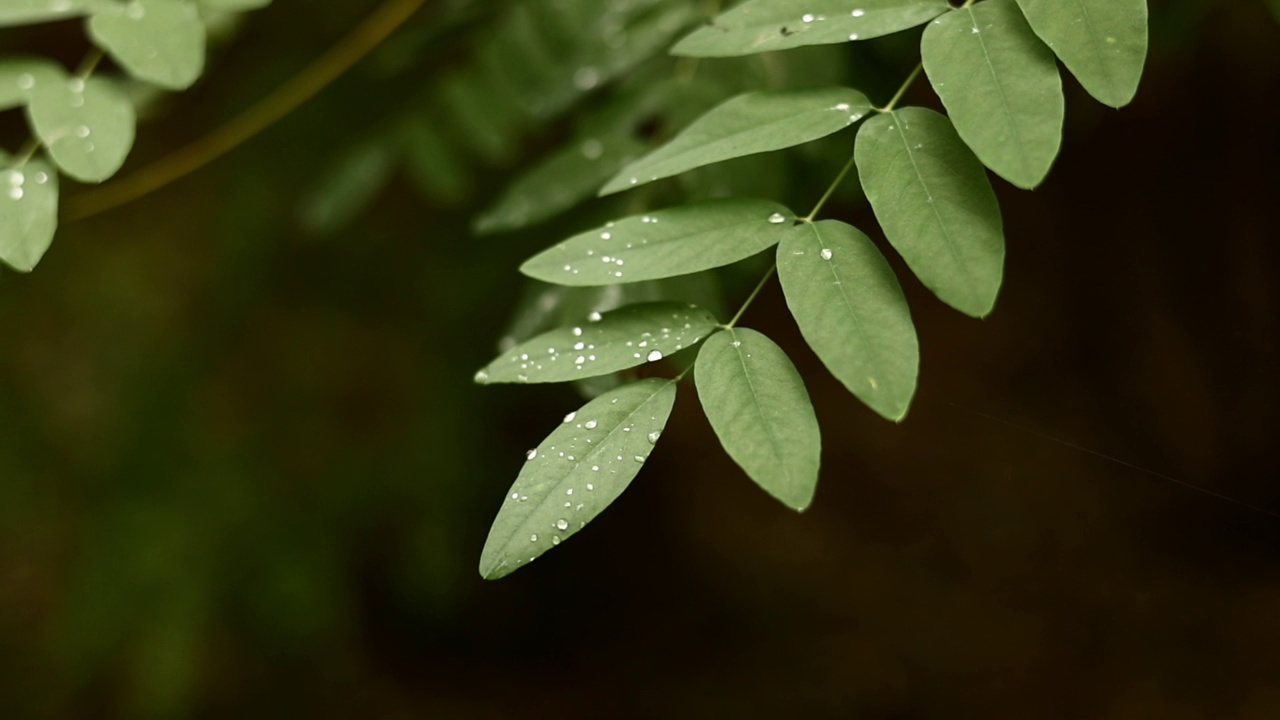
[24,12]
[576,472]
[1001,88]
[159,41]
[935,204]
[1102,42]
[20,75]
[851,311]
[561,181]
[28,212]
[764,25]
[87,125]
[663,243]
[751,123]
[757,404]
[604,343]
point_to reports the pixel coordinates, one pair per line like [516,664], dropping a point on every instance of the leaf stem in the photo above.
[830,189]
[903,90]
[314,78]
[89,64]
[751,298]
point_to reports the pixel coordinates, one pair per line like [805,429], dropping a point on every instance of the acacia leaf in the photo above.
[1000,86]
[750,123]
[759,26]
[757,404]
[88,125]
[663,243]
[935,204]
[28,212]
[159,41]
[576,472]
[851,311]
[1102,42]
[629,336]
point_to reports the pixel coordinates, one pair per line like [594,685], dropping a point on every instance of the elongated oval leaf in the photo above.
[25,12]
[159,41]
[575,473]
[756,402]
[763,25]
[28,213]
[1102,42]
[560,182]
[851,311]
[629,336]
[87,125]
[664,243]
[1001,88]
[935,204]
[20,75]
[751,123]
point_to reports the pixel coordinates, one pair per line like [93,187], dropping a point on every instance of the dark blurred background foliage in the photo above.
[244,473]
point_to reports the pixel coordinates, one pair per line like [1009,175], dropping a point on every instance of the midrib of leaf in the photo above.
[729,141]
[1099,47]
[857,321]
[933,206]
[1004,102]
[524,526]
[755,403]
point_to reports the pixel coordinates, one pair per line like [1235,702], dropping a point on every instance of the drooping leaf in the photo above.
[675,241]
[1102,42]
[1001,88]
[159,41]
[764,25]
[935,204]
[604,343]
[574,474]
[20,75]
[88,125]
[25,12]
[851,311]
[347,189]
[28,212]
[757,404]
[751,123]
[560,182]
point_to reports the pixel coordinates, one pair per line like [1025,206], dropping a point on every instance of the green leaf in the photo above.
[87,125]
[757,404]
[558,183]
[234,5]
[159,41]
[1102,42]
[935,204]
[348,188]
[851,311]
[751,123]
[20,75]
[1001,88]
[759,26]
[28,213]
[25,12]
[621,339]
[664,243]
[573,475]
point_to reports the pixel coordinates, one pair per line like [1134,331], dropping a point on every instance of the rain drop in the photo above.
[590,486]
[777,218]
[853,36]
[531,454]
[570,417]
[594,317]
[16,193]
[826,253]
[590,424]
[653,436]
[577,332]
[533,538]
[562,524]
[858,12]
[807,17]
[655,355]
[26,81]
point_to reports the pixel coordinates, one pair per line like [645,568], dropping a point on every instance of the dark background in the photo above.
[244,472]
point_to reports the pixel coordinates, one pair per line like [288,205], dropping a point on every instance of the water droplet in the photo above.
[826,253]
[515,496]
[976,31]
[777,218]
[533,538]
[605,235]
[16,193]
[555,540]
[594,468]
[655,355]
[579,346]
[807,17]
[26,81]
[531,454]
[569,491]
[136,11]
[853,36]
[639,458]
[76,85]
[570,417]
[590,424]
[841,107]
[41,178]
[83,131]
[590,486]
[562,524]
[653,436]
[579,360]
[858,12]
[594,317]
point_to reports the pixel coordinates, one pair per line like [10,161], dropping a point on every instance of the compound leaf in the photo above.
[757,404]
[664,243]
[159,41]
[750,123]
[28,212]
[1001,88]
[1102,42]
[935,204]
[87,124]
[759,26]
[576,472]
[624,338]
[851,311]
